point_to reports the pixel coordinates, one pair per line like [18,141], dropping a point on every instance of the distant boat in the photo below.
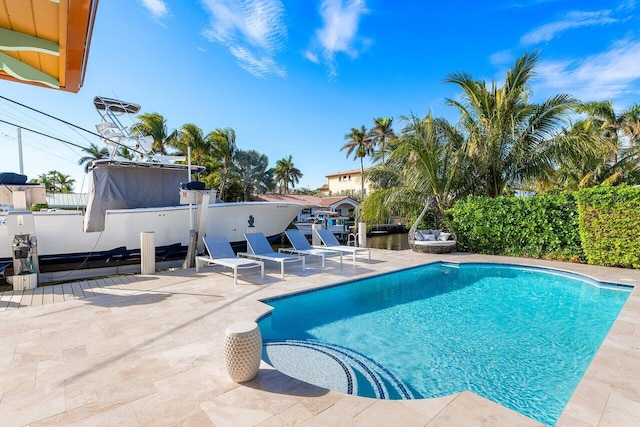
[128,197]
[328,220]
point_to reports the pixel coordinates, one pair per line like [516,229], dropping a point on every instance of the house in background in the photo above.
[347,183]
[342,205]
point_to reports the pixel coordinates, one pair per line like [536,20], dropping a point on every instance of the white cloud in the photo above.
[250,29]
[572,20]
[312,57]
[603,76]
[261,67]
[339,33]
[157,8]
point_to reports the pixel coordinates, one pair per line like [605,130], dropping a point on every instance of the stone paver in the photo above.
[148,350]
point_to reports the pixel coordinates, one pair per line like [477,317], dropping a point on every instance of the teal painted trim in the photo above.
[22,71]
[16,41]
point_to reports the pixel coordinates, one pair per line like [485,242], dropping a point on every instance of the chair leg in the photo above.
[282,269]
[235,277]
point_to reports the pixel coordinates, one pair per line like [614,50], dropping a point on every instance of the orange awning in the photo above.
[46,42]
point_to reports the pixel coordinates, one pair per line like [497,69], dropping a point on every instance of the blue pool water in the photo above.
[522,337]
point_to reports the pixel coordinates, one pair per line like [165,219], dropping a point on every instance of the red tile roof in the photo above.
[350,172]
[304,199]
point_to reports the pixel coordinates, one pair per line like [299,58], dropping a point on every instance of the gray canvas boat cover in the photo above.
[115,186]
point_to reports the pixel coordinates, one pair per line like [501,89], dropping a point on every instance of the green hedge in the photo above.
[537,227]
[610,225]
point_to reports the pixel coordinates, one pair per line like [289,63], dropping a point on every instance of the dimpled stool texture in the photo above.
[242,350]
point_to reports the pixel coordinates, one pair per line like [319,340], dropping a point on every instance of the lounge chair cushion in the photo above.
[444,236]
[429,237]
[418,236]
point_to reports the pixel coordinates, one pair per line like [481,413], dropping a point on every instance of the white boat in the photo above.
[328,220]
[128,197]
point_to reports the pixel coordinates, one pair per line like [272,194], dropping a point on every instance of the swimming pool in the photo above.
[520,336]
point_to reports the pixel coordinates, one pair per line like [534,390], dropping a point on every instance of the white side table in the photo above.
[242,350]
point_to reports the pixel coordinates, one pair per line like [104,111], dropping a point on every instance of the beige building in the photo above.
[347,183]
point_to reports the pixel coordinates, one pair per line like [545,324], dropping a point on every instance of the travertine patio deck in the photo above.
[148,350]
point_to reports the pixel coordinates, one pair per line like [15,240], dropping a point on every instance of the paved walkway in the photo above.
[145,350]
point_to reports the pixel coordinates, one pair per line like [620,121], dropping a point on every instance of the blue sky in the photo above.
[292,77]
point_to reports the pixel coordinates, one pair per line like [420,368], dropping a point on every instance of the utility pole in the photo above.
[20,150]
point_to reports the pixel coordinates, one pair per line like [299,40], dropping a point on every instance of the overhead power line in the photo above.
[66,123]
[42,133]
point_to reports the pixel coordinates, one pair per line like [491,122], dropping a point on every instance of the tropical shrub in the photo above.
[610,225]
[38,207]
[537,227]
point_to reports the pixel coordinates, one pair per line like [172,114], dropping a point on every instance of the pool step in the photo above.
[334,367]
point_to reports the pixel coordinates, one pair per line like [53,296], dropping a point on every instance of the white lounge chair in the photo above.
[301,246]
[329,241]
[260,249]
[221,253]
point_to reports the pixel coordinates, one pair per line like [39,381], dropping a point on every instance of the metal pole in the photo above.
[20,150]
[189,180]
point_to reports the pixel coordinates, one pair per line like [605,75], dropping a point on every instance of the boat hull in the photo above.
[60,235]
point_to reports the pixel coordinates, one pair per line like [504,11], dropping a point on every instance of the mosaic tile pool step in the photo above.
[334,367]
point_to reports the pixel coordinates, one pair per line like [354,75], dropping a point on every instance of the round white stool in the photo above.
[242,350]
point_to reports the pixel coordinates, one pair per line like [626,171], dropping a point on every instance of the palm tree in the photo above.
[155,125]
[381,133]
[360,146]
[427,161]
[583,168]
[191,136]
[508,138]
[56,182]
[44,179]
[631,124]
[287,173]
[64,183]
[94,153]
[602,114]
[223,148]
[255,175]
[125,152]
[614,126]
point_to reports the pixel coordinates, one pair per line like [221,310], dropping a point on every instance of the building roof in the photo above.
[45,42]
[349,172]
[307,200]
[67,200]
